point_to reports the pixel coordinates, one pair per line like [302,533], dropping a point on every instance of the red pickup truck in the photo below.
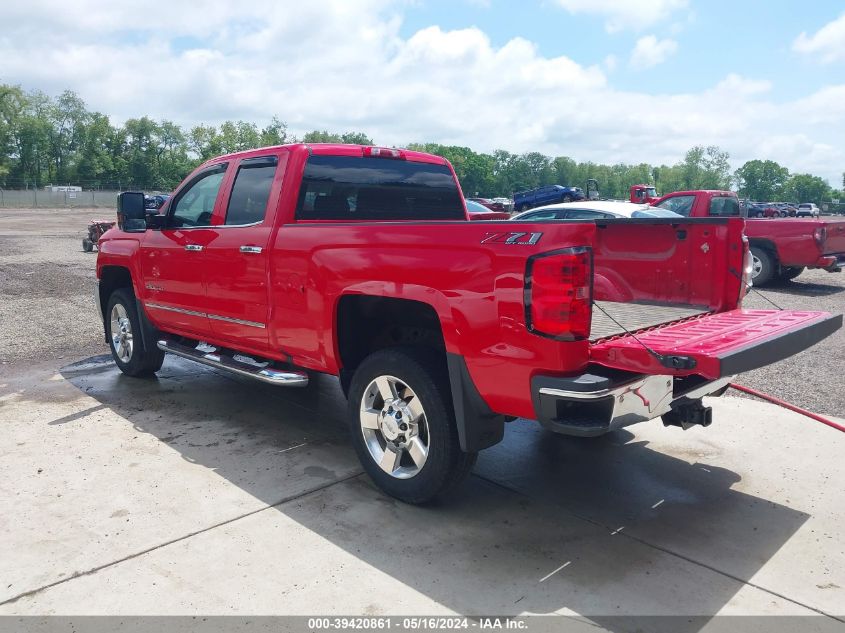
[360,262]
[781,248]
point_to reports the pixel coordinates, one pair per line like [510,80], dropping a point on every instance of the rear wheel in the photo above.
[123,330]
[763,266]
[567,198]
[87,245]
[403,426]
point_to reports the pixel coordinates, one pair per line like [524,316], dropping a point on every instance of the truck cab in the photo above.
[643,194]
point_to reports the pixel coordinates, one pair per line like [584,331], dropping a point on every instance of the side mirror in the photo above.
[131,212]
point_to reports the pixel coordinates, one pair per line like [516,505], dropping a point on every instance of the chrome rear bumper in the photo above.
[593,405]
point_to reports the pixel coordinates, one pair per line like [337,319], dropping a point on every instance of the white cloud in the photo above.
[625,14]
[610,63]
[329,65]
[828,43]
[650,51]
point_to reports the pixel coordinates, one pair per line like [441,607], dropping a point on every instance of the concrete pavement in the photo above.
[197,492]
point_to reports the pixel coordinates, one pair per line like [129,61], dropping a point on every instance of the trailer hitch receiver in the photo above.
[688,415]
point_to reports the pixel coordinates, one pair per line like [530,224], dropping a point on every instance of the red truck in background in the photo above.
[359,262]
[782,248]
[643,194]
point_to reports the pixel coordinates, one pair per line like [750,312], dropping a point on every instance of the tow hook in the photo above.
[688,415]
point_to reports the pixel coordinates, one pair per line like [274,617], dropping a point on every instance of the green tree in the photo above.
[705,168]
[68,117]
[12,105]
[237,136]
[356,138]
[276,133]
[141,151]
[807,188]
[204,142]
[762,180]
[95,160]
[321,136]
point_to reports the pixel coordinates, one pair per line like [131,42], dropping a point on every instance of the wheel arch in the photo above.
[365,323]
[765,244]
[113,277]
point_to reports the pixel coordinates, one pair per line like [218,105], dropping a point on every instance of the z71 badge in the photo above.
[512,238]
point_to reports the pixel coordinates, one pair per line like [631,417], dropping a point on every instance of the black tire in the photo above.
[790,272]
[566,198]
[766,265]
[446,465]
[134,359]
[87,245]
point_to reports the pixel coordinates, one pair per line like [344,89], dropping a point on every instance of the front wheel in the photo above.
[123,330]
[403,426]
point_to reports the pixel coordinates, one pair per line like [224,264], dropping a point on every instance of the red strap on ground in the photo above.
[787,405]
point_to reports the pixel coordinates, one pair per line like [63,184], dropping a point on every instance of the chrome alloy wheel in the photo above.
[756,266]
[394,426]
[121,333]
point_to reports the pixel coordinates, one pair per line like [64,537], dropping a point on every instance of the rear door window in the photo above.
[682,205]
[726,206]
[248,201]
[371,188]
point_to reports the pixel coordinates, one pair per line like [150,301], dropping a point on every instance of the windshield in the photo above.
[368,188]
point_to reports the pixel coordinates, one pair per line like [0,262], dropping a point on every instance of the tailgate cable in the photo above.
[750,286]
[669,361]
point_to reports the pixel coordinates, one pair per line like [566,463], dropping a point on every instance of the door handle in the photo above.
[251,249]
[193,247]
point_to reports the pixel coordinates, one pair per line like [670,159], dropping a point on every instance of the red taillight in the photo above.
[558,293]
[383,152]
[820,235]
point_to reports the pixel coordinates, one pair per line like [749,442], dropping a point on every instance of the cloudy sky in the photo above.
[603,80]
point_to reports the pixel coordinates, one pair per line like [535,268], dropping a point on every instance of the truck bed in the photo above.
[636,316]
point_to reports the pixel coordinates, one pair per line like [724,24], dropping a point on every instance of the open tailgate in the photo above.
[717,345]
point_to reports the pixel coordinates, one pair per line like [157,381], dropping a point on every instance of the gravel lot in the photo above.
[47,309]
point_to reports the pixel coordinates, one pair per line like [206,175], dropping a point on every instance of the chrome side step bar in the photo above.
[264,374]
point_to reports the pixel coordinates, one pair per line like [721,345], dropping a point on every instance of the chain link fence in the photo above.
[39,198]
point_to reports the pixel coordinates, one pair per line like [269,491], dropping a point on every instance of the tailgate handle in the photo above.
[676,362]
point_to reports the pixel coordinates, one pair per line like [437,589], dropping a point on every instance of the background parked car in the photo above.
[507,203]
[807,209]
[786,209]
[155,201]
[595,210]
[494,204]
[549,194]
[770,210]
[478,211]
[754,209]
